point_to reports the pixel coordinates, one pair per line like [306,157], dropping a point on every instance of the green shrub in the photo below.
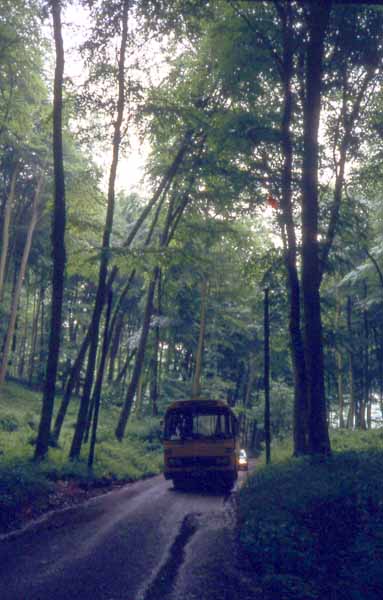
[315,530]
[20,485]
[9,423]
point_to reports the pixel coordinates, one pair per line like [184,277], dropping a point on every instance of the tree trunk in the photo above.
[319,442]
[351,410]
[249,383]
[266,367]
[42,334]
[138,405]
[101,287]
[96,400]
[296,342]
[140,355]
[58,244]
[196,388]
[23,344]
[339,368]
[6,223]
[73,378]
[154,360]
[35,327]
[123,371]
[365,396]
[114,347]
[20,279]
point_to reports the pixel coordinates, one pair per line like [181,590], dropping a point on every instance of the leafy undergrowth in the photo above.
[28,489]
[314,530]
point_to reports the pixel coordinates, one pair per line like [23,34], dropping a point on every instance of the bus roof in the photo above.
[198,402]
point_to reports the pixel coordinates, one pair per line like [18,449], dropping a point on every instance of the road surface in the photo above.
[145,541]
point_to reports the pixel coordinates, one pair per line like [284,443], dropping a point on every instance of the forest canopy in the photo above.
[257,128]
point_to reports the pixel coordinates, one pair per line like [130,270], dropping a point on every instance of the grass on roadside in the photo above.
[23,482]
[315,530]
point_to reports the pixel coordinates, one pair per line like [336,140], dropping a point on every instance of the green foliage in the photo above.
[314,529]
[23,482]
[8,423]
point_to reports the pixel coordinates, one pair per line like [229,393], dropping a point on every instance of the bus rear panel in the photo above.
[200,441]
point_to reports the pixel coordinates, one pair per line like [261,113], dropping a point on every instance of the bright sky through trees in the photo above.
[130,176]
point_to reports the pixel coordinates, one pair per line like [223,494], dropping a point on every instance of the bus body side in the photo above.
[199,451]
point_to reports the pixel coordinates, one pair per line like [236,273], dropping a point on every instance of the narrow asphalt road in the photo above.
[145,541]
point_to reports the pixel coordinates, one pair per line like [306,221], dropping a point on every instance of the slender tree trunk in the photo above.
[96,400]
[154,360]
[23,344]
[196,388]
[319,442]
[123,371]
[249,383]
[138,405]
[351,410]
[114,347]
[6,223]
[339,368]
[238,383]
[42,333]
[266,367]
[58,244]
[366,375]
[140,355]
[101,287]
[71,383]
[379,359]
[20,279]
[35,327]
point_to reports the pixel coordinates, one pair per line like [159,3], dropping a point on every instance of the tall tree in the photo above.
[317,22]
[58,243]
[104,260]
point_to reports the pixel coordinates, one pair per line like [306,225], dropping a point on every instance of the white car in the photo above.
[243,463]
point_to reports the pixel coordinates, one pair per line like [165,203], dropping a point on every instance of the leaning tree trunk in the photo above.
[174,214]
[319,442]
[58,244]
[140,355]
[101,287]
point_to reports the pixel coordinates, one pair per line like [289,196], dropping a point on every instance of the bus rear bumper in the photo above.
[195,474]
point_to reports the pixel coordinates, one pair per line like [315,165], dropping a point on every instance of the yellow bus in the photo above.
[201,441]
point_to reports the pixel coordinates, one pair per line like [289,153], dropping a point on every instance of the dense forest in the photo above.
[258,128]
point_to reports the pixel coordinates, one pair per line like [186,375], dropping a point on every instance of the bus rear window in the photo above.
[186,425]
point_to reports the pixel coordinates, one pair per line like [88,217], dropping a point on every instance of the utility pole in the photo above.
[266,326]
